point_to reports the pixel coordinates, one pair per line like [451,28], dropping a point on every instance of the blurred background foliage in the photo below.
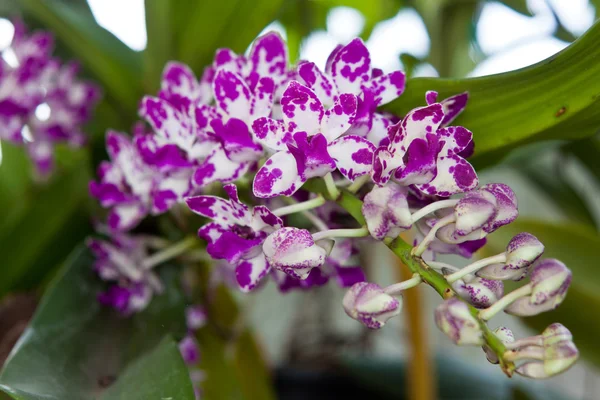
[539,123]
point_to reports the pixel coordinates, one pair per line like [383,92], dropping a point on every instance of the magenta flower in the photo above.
[349,70]
[308,144]
[236,234]
[42,103]
[425,153]
[133,189]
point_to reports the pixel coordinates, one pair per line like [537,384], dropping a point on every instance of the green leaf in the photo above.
[114,65]
[215,24]
[161,374]
[40,224]
[588,152]
[73,348]
[554,99]
[577,246]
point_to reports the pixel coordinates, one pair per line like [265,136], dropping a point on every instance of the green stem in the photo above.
[170,252]
[331,233]
[331,186]
[297,207]
[401,286]
[429,276]
[504,302]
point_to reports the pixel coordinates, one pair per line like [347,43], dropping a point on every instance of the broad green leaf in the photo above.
[215,24]
[110,62]
[74,349]
[41,223]
[554,99]
[577,246]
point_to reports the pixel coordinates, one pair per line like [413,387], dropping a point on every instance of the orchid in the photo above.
[42,102]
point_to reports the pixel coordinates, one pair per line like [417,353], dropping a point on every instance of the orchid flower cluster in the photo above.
[42,103]
[312,171]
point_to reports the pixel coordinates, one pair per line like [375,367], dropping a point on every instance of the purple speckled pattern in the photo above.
[236,233]
[479,292]
[550,279]
[506,201]
[293,251]
[452,106]
[522,251]
[370,305]
[190,350]
[386,211]
[42,101]
[472,212]
[422,153]
[454,319]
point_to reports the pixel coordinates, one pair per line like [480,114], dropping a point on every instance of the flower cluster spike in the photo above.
[281,134]
[43,102]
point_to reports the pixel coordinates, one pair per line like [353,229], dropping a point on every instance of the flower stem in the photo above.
[401,286]
[504,302]
[170,252]
[358,183]
[420,249]
[316,221]
[476,266]
[441,265]
[331,233]
[403,251]
[305,205]
[428,209]
[332,189]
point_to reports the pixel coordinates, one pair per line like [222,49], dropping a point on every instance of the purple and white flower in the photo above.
[236,234]
[307,142]
[120,262]
[369,304]
[349,70]
[454,318]
[424,153]
[42,103]
[479,292]
[386,211]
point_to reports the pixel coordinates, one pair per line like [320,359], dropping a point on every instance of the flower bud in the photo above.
[550,280]
[472,212]
[506,336]
[369,304]
[455,320]
[386,211]
[479,292]
[556,333]
[189,349]
[293,251]
[559,357]
[506,205]
[195,317]
[522,251]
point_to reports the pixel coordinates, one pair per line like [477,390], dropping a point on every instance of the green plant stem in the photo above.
[504,302]
[170,252]
[437,281]
[399,287]
[298,207]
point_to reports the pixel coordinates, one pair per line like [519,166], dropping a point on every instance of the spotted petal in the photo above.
[311,76]
[262,101]
[178,78]
[417,124]
[219,168]
[271,133]
[248,273]
[454,175]
[351,67]
[302,109]
[232,94]
[278,176]
[384,164]
[339,118]
[171,189]
[236,140]
[126,216]
[353,156]
[167,121]
[387,87]
[268,57]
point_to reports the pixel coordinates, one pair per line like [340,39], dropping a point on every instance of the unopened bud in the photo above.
[369,304]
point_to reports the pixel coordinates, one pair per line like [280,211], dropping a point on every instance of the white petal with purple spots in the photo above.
[353,156]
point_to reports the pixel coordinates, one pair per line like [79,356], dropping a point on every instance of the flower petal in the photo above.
[172,188]
[236,140]
[232,94]
[417,124]
[271,133]
[268,57]
[340,117]
[302,109]
[278,176]
[351,67]
[455,139]
[454,175]
[217,167]
[453,106]
[179,79]
[167,122]
[248,273]
[312,157]
[421,161]
[384,164]
[387,87]
[126,216]
[311,76]
[262,101]
[353,156]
